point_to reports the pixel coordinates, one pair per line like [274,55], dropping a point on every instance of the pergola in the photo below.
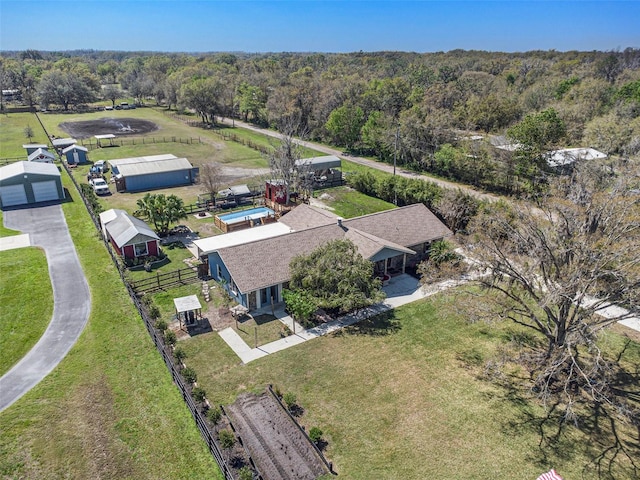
[188,309]
[108,136]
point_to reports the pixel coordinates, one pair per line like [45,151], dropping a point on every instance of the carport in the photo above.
[23,183]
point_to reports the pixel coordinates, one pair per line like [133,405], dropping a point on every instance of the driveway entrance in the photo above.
[48,229]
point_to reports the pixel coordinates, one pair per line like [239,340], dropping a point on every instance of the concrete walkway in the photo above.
[47,228]
[401,290]
[15,241]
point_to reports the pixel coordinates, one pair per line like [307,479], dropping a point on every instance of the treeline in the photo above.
[416,109]
[455,207]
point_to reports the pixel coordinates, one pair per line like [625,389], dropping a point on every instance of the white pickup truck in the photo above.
[100,186]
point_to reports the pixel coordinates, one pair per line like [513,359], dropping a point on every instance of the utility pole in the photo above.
[395,160]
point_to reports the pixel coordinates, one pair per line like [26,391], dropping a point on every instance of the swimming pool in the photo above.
[250,217]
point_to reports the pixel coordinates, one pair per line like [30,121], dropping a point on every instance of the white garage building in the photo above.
[24,183]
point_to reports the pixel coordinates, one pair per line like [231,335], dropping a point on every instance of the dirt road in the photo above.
[369,163]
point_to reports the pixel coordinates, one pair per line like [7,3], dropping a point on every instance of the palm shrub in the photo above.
[245,473]
[189,375]
[227,439]
[179,354]
[315,434]
[199,394]
[290,399]
[214,415]
[170,337]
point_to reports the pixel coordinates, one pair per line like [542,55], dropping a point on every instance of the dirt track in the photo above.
[103,126]
[277,446]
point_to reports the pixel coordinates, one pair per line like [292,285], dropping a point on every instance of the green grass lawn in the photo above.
[110,409]
[404,397]
[6,232]
[26,297]
[268,328]
[12,136]
[349,203]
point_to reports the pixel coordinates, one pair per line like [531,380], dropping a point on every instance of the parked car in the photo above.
[108,107]
[101,166]
[100,186]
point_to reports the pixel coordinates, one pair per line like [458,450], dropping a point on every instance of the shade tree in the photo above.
[336,277]
[556,269]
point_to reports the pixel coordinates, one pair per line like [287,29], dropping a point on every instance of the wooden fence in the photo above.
[161,281]
[199,416]
[92,144]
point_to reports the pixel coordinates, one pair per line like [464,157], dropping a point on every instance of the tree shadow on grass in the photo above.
[384,323]
[606,430]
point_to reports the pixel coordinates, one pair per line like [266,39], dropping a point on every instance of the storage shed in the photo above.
[24,183]
[42,156]
[152,172]
[32,147]
[76,154]
[131,237]
[61,143]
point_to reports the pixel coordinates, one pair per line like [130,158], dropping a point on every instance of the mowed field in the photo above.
[409,396]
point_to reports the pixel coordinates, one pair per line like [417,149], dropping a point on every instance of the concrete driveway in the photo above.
[48,229]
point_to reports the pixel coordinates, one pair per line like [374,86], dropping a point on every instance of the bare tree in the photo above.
[284,159]
[558,268]
[211,179]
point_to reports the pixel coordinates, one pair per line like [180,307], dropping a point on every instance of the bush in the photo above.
[214,415]
[179,354]
[170,337]
[315,434]
[154,312]
[199,394]
[289,399]
[299,303]
[245,473]
[189,375]
[227,439]
[161,325]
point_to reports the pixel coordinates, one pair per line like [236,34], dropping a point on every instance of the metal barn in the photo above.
[24,183]
[152,172]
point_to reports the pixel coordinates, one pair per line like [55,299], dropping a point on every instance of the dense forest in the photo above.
[426,111]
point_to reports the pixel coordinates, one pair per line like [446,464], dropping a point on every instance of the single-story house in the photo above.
[255,270]
[76,154]
[152,172]
[23,183]
[32,147]
[42,156]
[129,236]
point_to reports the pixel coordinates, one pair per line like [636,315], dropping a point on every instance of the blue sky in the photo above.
[314,26]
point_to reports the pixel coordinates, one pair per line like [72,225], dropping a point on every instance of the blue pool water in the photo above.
[250,214]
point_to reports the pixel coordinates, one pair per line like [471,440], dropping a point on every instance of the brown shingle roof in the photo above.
[266,262]
[407,226]
[305,216]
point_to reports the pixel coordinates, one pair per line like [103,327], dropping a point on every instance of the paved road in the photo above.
[369,163]
[48,229]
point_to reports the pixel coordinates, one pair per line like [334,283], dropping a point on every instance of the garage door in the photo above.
[45,191]
[13,195]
